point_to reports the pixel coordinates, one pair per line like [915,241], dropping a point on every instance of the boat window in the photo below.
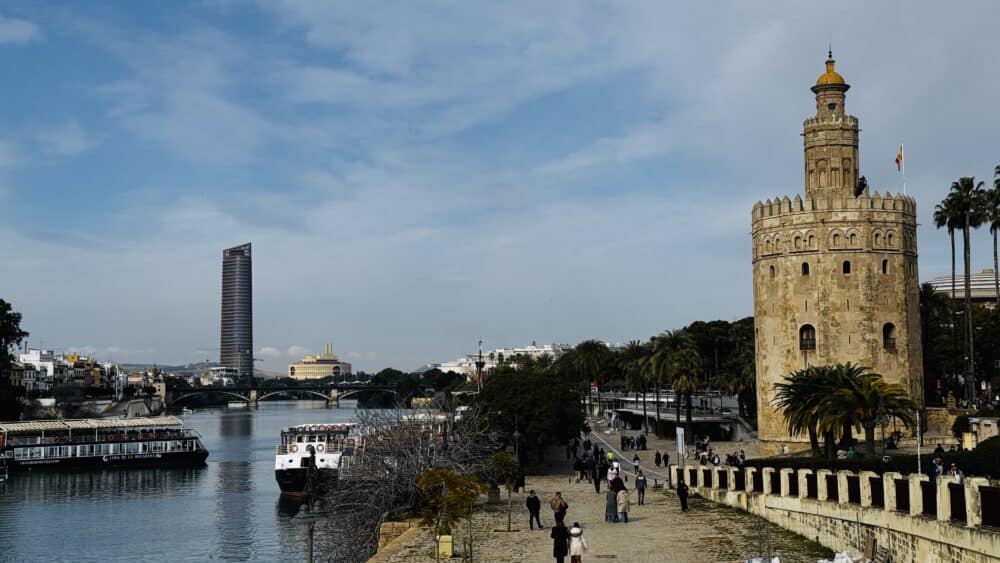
[299,438]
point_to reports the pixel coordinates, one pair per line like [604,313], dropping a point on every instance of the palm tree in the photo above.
[798,397]
[947,216]
[592,359]
[866,397]
[967,197]
[630,361]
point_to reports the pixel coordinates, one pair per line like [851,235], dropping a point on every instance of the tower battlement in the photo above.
[876,202]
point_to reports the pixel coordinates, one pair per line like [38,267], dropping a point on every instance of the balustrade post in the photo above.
[731,478]
[974,501]
[786,476]
[804,482]
[943,493]
[889,489]
[748,473]
[767,472]
[674,471]
[715,477]
[865,482]
[916,495]
[843,492]
[821,492]
[700,477]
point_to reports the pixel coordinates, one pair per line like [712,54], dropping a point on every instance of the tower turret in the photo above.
[831,139]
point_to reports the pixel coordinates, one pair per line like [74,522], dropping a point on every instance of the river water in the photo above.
[228,510]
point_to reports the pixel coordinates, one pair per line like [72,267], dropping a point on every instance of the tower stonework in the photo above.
[834,275]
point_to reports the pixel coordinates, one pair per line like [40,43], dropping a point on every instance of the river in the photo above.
[227,510]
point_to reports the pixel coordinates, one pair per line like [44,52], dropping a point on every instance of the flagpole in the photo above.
[902,151]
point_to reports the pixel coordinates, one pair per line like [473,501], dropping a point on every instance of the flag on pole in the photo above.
[899,158]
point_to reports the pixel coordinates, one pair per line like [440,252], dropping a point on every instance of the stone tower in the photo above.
[834,274]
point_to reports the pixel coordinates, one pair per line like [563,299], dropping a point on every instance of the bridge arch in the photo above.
[232,394]
[317,394]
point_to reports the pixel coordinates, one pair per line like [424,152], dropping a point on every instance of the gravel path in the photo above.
[656,532]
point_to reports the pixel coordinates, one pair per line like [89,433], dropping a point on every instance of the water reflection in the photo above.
[232,509]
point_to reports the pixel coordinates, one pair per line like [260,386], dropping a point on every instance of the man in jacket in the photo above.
[623,506]
[640,487]
[682,493]
[534,505]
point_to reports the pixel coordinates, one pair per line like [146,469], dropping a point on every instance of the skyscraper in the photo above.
[236,341]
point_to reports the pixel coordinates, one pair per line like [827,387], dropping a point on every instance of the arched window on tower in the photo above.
[853,239]
[847,266]
[772,272]
[807,338]
[885,266]
[889,337]
[805,268]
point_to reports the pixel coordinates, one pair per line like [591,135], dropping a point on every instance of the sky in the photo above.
[415,176]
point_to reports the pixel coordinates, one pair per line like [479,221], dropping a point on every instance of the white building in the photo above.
[47,365]
[467,365]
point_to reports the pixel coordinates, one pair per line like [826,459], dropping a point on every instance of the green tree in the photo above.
[11,335]
[991,211]
[592,360]
[449,497]
[947,215]
[630,361]
[967,197]
[543,407]
[799,397]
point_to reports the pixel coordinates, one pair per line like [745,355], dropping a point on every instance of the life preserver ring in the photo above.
[295,448]
[319,447]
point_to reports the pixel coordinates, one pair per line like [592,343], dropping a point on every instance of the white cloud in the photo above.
[269,353]
[13,30]
[295,351]
[68,139]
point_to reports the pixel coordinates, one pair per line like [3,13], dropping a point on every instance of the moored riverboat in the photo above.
[68,444]
[311,457]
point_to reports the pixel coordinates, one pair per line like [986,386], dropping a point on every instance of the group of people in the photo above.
[939,470]
[633,442]
[565,541]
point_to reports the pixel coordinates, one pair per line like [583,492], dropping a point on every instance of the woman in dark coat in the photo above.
[560,541]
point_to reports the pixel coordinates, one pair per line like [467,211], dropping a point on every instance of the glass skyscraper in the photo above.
[236,340]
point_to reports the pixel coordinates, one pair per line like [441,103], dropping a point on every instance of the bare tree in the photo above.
[381,483]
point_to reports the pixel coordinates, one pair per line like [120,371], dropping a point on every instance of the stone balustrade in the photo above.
[915,518]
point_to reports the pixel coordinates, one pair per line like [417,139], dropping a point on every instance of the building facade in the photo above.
[236,327]
[319,366]
[834,272]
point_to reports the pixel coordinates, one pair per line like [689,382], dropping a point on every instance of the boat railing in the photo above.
[101,438]
[346,446]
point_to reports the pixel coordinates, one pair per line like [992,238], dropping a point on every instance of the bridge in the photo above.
[252,395]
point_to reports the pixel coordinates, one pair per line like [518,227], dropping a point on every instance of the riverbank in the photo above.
[657,531]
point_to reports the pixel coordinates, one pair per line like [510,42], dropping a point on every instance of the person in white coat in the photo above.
[577,544]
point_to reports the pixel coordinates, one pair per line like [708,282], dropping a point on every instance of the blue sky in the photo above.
[415,175]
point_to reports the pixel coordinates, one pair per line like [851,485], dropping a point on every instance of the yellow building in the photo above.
[834,272]
[319,366]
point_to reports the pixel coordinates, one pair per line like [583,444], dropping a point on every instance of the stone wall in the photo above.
[914,519]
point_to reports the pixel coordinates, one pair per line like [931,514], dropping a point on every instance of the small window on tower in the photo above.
[805,268]
[885,266]
[772,271]
[831,107]
[847,266]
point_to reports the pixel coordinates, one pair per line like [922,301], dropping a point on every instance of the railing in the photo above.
[889,344]
[101,437]
[807,344]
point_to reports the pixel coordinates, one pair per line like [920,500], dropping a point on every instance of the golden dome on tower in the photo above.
[831,76]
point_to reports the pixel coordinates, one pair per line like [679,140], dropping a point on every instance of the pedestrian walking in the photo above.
[534,505]
[610,507]
[560,542]
[577,544]
[635,464]
[682,493]
[559,507]
[623,505]
[657,459]
[595,475]
[640,488]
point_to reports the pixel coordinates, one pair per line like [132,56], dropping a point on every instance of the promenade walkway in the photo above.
[657,532]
